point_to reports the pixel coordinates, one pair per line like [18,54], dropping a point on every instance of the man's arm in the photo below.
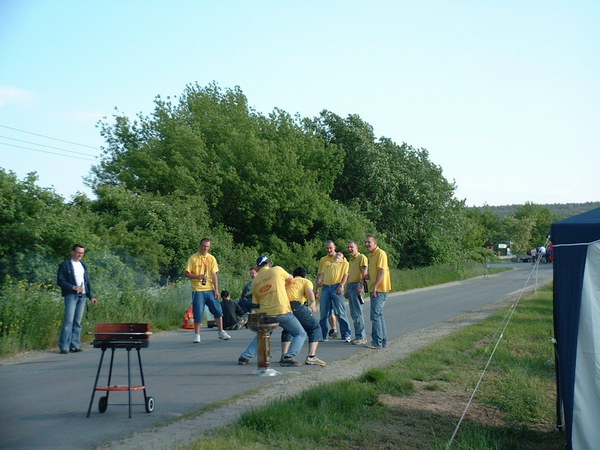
[363,274]
[192,276]
[238,310]
[312,304]
[63,281]
[340,288]
[215,280]
[318,284]
[375,287]
[245,291]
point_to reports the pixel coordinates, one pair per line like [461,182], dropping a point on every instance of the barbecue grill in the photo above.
[127,336]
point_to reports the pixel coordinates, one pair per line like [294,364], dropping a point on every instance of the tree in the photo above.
[257,175]
[541,219]
[399,190]
[37,228]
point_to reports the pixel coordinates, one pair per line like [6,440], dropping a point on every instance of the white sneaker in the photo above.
[197,339]
[223,335]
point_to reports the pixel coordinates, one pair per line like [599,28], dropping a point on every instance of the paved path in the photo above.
[44,397]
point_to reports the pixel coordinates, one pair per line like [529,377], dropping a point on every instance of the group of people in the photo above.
[290,299]
[541,255]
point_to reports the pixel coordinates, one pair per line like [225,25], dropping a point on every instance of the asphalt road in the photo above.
[44,398]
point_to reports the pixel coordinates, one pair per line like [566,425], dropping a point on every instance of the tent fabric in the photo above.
[569,269]
[586,398]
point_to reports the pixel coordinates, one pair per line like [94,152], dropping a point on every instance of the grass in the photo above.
[31,314]
[393,407]
[403,280]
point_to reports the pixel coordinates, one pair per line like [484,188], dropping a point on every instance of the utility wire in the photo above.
[48,137]
[505,323]
[47,146]
[51,153]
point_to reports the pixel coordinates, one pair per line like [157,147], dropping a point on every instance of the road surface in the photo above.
[45,396]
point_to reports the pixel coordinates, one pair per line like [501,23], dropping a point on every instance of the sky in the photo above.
[505,96]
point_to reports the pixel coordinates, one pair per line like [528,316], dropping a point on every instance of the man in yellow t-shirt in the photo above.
[202,269]
[331,279]
[379,276]
[357,272]
[300,293]
[268,291]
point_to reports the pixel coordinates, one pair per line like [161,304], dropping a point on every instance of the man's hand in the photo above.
[93,300]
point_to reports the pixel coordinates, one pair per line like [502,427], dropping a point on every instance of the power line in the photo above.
[48,137]
[44,151]
[47,146]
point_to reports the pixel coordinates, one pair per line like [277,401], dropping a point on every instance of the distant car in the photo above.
[525,258]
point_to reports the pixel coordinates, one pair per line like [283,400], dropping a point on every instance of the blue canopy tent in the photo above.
[576,243]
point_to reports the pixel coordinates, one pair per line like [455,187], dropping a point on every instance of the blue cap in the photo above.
[262,260]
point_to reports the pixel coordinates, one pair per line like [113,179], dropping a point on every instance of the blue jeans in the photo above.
[70,335]
[308,322]
[331,300]
[356,310]
[379,330]
[200,299]
[290,324]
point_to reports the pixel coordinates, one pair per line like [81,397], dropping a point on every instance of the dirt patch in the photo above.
[447,403]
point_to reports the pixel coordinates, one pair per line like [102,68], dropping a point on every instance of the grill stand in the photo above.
[125,336]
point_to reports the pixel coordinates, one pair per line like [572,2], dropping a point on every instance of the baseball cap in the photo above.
[262,260]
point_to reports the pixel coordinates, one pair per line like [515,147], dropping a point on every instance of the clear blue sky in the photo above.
[505,96]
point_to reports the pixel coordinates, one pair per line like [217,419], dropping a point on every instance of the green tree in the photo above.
[152,233]
[541,219]
[37,228]
[258,176]
[398,189]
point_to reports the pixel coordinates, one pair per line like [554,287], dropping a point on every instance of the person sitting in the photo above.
[245,300]
[233,315]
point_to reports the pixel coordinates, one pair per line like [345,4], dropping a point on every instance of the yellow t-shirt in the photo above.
[378,260]
[296,289]
[268,290]
[324,260]
[356,262]
[198,265]
[333,272]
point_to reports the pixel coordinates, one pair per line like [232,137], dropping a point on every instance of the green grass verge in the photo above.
[416,402]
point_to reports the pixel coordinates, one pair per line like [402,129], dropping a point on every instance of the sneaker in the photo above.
[223,335]
[348,339]
[289,361]
[359,341]
[373,347]
[314,361]
[75,350]
[333,333]
[197,339]
[63,351]
[243,360]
